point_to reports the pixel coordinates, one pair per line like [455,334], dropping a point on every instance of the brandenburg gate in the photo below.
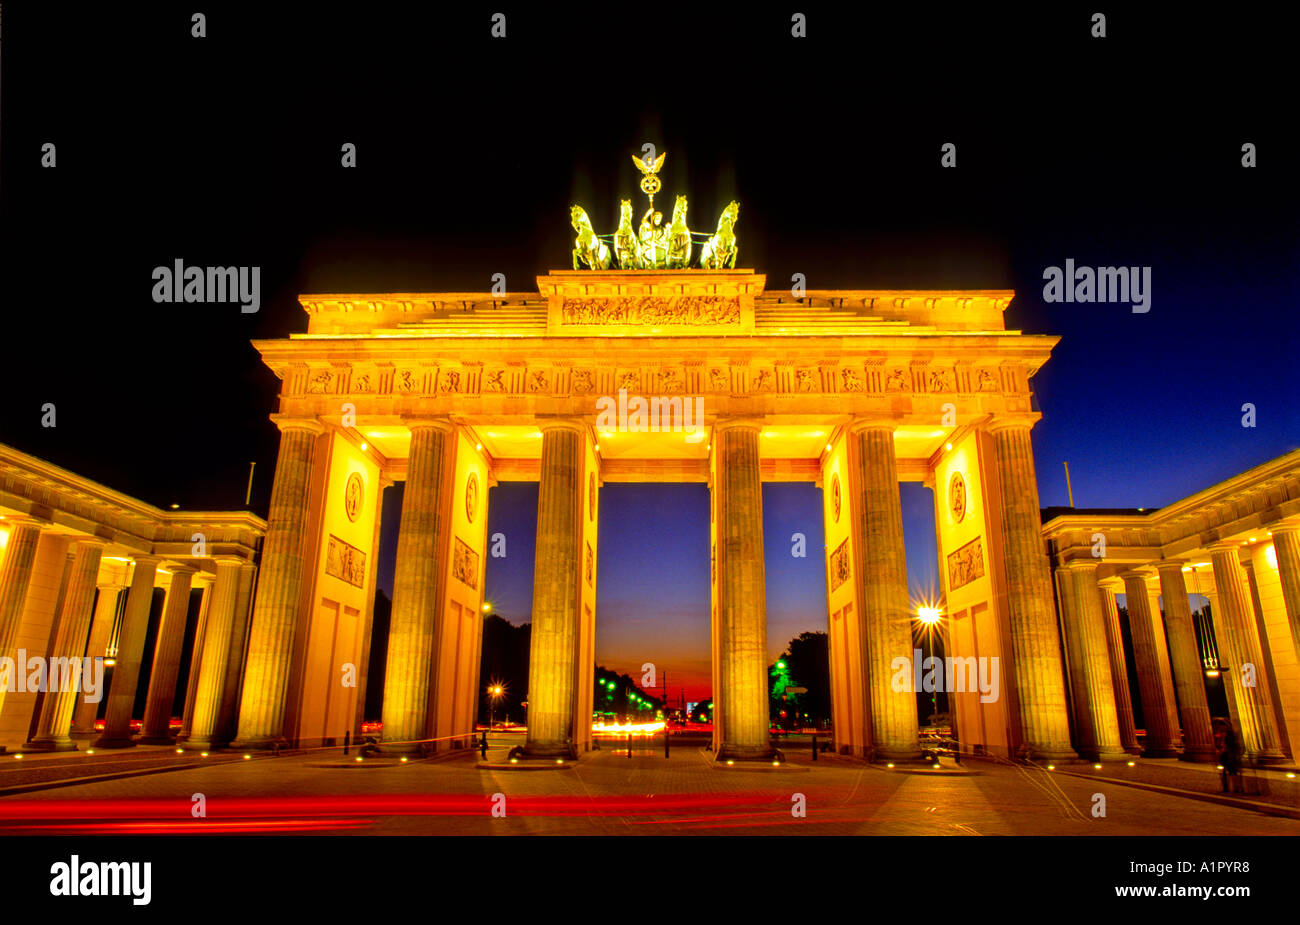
[455,392]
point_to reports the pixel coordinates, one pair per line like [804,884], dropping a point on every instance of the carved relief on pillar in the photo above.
[841,567]
[345,562]
[965,564]
[464,564]
[806,379]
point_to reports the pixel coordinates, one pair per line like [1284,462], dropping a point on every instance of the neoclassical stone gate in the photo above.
[453,392]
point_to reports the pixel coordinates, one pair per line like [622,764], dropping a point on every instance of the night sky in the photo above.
[225,151]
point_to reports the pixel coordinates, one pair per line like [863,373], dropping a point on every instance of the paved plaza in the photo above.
[608,793]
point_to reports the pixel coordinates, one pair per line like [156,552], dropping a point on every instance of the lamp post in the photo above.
[495,692]
[929,616]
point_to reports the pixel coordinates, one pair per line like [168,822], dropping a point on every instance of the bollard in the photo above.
[347,740]
[665,740]
[814,746]
[629,745]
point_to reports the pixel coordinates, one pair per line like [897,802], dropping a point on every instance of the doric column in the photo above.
[551,657]
[69,648]
[101,634]
[1265,649]
[882,587]
[15,575]
[130,652]
[742,593]
[1155,680]
[415,587]
[214,654]
[167,660]
[225,730]
[1286,550]
[1035,640]
[1185,660]
[205,581]
[1094,690]
[1118,665]
[1234,629]
[275,612]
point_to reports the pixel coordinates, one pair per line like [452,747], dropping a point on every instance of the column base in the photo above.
[260,744]
[745,753]
[1201,755]
[1104,754]
[1161,751]
[1051,753]
[545,751]
[156,740]
[63,744]
[896,754]
[115,742]
[1270,757]
[200,745]
[399,749]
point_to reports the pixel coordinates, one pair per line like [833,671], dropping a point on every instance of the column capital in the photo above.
[872,422]
[1290,525]
[287,422]
[1167,565]
[1114,584]
[90,540]
[561,422]
[437,422]
[733,423]
[25,520]
[182,568]
[1081,565]
[1140,572]
[1025,420]
[1223,546]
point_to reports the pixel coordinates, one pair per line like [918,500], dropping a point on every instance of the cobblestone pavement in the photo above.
[606,793]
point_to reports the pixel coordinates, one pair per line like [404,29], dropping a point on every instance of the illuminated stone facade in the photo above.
[852,389]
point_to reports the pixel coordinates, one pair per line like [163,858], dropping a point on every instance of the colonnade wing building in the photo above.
[88,572]
[670,375]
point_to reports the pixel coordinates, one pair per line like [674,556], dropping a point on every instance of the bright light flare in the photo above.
[626,729]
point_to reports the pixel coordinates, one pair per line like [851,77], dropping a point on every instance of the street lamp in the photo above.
[496,691]
[929,615]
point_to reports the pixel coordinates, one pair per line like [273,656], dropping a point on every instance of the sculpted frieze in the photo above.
[653,310]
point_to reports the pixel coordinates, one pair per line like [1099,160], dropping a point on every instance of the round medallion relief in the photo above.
[471,496]
[354,495]
[835,496]
[957,497]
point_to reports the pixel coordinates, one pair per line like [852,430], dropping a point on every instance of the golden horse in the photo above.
[626,249]
[719,252]
[588,248]
[679,237]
